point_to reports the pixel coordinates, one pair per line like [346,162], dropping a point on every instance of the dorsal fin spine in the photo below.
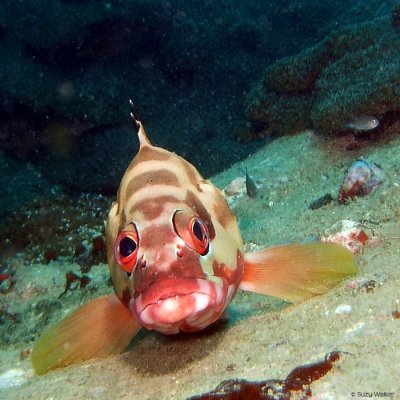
[143,139]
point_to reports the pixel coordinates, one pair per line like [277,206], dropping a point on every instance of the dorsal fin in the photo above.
[143,139]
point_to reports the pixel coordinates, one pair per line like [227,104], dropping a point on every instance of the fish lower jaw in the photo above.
[173,314]
[175,311]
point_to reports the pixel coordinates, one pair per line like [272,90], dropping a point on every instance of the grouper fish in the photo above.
[176,260]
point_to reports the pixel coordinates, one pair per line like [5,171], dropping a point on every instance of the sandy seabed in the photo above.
[264,338]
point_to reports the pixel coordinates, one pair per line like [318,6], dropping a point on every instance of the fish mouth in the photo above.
[180,304]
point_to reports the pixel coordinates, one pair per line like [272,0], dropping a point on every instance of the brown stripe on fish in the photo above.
[152,208]
[150,178]
[156,178]
[155,234]
[224,215]
[147,194]
[192,174]
[195,204]
[175,165]
[185,171]
[149,153]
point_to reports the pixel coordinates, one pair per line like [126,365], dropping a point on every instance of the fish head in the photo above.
[374,123]
[174,248]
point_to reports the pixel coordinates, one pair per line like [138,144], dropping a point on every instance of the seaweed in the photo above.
[298,380]
[70,278]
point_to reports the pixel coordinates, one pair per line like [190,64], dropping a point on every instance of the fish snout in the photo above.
[180,304]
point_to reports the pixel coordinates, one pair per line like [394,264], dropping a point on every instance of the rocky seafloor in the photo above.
[263,339]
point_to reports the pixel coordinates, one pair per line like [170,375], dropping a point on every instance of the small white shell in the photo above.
[344,309]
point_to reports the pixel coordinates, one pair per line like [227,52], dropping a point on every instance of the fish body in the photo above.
[176,260]
[363,123]
[251,187]
[188,257]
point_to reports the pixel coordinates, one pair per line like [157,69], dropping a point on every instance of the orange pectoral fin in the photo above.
[102,327]
[297,271]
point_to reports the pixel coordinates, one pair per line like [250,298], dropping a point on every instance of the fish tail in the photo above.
[102,327]
[348,125]
[298,271]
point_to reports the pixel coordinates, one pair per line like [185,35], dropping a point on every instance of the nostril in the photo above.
[141,263]
[179,252]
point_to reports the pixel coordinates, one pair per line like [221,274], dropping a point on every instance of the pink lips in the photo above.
[173,304]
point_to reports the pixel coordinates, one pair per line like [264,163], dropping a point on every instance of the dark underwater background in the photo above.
[68,69]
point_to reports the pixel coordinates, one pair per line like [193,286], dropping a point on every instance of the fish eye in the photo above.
[192,230]
[198,229]
[126,248]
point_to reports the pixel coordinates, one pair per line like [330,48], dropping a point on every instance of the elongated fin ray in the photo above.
[102,327]
[143,139]
[298,271]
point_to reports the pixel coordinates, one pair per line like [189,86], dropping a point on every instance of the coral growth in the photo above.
[348,234]
[354,71]
[58,227]
[396,16]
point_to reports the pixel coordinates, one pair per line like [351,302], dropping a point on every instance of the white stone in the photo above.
[344,309]
[12,377]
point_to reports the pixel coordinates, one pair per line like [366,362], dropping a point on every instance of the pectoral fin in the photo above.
[297,271]
[102,327]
